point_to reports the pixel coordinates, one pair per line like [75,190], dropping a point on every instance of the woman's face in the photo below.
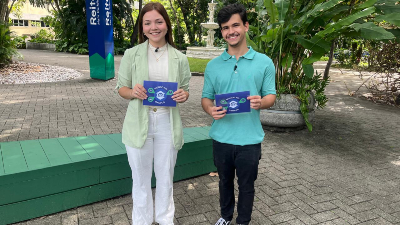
[155,28]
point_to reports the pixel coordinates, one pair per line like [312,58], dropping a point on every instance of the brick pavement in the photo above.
[347,171]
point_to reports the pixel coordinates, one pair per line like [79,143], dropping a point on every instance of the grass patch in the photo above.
[324,58]
[198,65]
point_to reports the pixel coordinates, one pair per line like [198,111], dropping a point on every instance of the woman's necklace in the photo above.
[157,59]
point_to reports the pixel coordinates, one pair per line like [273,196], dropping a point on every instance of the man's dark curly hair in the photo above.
[224,15]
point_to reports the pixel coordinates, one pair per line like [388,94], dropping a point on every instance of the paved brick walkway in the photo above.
[347,171]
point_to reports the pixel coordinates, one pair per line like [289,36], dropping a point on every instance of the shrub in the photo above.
[20,41]
[43,36]
[7,46]
[121,46]
[66,46]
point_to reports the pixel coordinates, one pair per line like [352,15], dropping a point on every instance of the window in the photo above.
[35,23]
[19,23]
[42,24]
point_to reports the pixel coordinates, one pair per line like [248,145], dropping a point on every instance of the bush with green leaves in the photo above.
[7,46]
[121,46]
[20,41]
[351,52]
[68,22]
[220,43]
[65,46]
[297,33]
[43,36]
[384,83]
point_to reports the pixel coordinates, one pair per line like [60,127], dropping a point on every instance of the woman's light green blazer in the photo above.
[134,70]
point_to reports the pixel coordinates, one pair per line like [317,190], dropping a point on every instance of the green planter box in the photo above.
[40,177]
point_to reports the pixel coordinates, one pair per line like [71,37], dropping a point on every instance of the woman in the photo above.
[152,132]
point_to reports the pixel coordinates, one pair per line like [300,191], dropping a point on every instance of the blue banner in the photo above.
[101,39]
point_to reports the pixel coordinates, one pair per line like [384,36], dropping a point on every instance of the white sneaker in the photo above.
[221,221]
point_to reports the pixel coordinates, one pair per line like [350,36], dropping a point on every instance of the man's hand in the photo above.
[211,109]
[217,114]
[180,96]
[255,101]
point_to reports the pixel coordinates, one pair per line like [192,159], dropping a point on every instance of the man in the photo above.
[237,138]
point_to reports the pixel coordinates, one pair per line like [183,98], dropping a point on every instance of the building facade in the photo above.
[29,21]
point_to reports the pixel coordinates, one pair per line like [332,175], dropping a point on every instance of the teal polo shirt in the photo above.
[254,72]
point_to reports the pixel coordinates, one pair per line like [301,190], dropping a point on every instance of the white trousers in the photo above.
[158,146]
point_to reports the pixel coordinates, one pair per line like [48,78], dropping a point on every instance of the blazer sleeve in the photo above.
[184,74]
[125,71]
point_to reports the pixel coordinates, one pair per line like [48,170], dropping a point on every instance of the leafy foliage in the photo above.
[68,22]
[194,13]
[69,26]
[19,41]
[384,83]
[43,36]
[297,33]
[7,46]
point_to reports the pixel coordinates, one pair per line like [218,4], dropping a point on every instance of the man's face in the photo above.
[234,31]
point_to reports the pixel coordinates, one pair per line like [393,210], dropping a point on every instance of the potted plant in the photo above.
[297,33]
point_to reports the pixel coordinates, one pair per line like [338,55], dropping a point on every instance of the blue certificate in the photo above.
[160,93]
[234,102]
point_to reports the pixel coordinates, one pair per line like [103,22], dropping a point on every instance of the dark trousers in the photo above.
[243,159]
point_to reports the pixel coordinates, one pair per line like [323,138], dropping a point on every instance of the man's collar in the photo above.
[225,56]
[249,54]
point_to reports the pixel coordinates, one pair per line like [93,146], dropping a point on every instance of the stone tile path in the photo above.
[347,171]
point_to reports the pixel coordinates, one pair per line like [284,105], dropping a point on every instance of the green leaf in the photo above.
[151,90]
[346,21]
[271,35]
[393,18]
[253,29]
[243,100]
[150,99]
[313,58]
[352,34]
[315,44]
[335,12]
[308,70]
[170,92]
[251,43]
[322,7]
[287,61]
[388,6]
[223,102]
[366,4]
[396,33]
[282,7]
[318,10]
[370,31]
[272,10]
[309,126]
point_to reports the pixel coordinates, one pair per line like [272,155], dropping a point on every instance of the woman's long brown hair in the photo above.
[160,9]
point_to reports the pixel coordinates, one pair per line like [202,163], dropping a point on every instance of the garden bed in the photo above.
[42,46]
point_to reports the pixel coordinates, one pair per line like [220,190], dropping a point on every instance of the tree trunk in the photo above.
[177,23]
[3,11]
[134,36]
[328,65]
[189,27]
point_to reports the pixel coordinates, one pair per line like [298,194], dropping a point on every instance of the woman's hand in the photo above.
[180,96]
[139,92]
